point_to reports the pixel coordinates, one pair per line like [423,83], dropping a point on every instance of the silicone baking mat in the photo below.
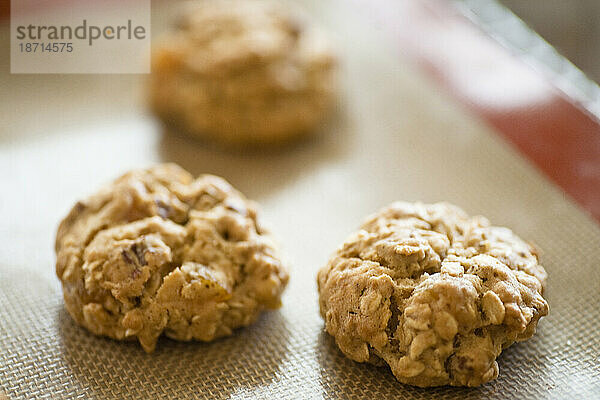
[394,137]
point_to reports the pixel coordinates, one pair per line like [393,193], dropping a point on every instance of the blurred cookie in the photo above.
[242,72]
[433,293]
[157,251]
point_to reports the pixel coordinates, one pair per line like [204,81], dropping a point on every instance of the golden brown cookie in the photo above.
[157,251]
[242,72]
[433,293]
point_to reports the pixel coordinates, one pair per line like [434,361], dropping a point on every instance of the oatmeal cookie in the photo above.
[242,72]
[159,251]
[433,293]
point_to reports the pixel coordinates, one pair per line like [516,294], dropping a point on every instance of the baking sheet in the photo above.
[394,137]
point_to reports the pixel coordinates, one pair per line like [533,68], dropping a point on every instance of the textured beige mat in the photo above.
[394,138]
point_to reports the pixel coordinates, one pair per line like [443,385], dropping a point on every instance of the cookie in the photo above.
[433,293]
[157,251]
[242,72]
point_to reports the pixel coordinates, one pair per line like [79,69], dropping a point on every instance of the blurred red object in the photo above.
[525,107]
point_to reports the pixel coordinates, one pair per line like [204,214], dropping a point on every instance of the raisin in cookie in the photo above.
[158,251]
[242,72]
[433,293]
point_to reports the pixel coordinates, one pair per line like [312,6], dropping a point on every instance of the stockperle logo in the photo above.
[80,36]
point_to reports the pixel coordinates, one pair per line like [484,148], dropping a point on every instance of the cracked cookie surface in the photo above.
[242,72]
[433,293]
[157,251]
